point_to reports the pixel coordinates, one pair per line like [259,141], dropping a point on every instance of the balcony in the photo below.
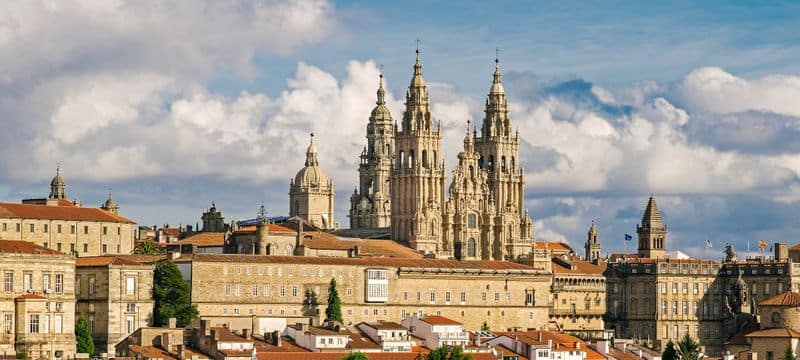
[454,336]
[578,312]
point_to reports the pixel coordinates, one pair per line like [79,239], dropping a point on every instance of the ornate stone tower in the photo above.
[469,214]
[652,233]
[57,186]
[370,204]
[592,246]
[110,205]
[417,181]
[311,192]
[498,147]
[213,220]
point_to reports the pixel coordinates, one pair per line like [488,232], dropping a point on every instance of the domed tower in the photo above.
[417,180]
[311,192]
[592,246]
[370,204]
[213,220]
[652,232]
[110,205]
[57,186]
[498,147]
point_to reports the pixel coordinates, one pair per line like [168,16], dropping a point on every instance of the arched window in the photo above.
[425,159]
[401,158]
[491,162]
[471,171]
[513,164]
[480,161]
[388,149]
[503,164]
[411,162]
[434,158]
[471,247]
[472,221]
[296,207]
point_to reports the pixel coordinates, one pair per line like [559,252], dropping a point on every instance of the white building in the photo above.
[391,336]
[437,331]
[317,339]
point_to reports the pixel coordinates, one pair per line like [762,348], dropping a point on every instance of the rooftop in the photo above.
[439,320]
[24,247]
[781,332]
[789,298]
[117,260]
[578,266]
[60,212]
[203,239]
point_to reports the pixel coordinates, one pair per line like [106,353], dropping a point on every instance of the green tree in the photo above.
[669,352]
[688,348]
[171,296]
[358,355]
[147,248]
[334,310]
[485,326]
[83,337]
[448,353]
[788,354]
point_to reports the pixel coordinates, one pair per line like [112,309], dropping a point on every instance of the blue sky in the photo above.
[199,101]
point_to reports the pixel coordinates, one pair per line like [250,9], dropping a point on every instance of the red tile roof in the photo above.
[30,296]
[370,355]
[272,228]
[789,298]
[385,325]
[24,247]
[561,341]
[439,320]
[486,265]
[557,246]
[225,335]
[795,248]
[74,213]
[151,352]
[782,332]
[580,266]
[174,232]
[203,239]
[117,260]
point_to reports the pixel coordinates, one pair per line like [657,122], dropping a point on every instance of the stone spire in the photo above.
[592,245]
[652,217]
[652,232]
[57,186]
[311,153]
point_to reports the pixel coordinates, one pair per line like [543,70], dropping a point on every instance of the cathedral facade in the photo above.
[402,181]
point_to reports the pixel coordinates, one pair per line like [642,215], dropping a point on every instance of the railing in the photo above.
[453,335]
[597,312]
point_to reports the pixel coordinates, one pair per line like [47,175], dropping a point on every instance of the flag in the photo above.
[761,245]
[628,237]
[708,243]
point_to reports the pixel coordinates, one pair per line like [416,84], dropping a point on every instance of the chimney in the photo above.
[172,323]
[303,327]
[204,327]
[477,340]
[578,345]
[165,343]
[276,338]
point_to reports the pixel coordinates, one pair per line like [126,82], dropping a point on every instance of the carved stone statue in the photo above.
[730,253]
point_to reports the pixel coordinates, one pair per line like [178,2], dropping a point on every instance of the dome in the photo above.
[57,180]
[417,80]
[497,85]
[311,176]
[381,112]
[110,203]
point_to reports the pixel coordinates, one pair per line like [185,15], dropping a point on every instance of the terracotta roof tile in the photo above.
[781,332]
[385,325]
[25,247]
[151,352]
[795,248]
[203,239]
[117,260]
[789,298]
[580,266]
[486,265]
[30,296]
[30,211]
[287,345]
[558,246]
[174,232]
[370,355]
[272,228]
[561,340]
[225,335]
[439,320]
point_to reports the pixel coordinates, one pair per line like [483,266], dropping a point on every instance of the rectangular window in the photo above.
[92,285]
[130,285]
[130,324]
[46,282]
[105,230]
[131,308]
[46,228]
[674,288]
[33,325]
[59,306]
[497,296]
[58,228]
[9,323]
[58,246]
[349,291]
[228,289]
[695,288]
[663,288]
[685,308]
[685,288]
[72,229]
[85,229]
[72,248]
[283,291]
[294,291]
[105,249]
[377,289]
[85,248]
[766,288]
[483,296]
[664,307]
[674,308]
[463,297]
[8,281]
[5,227]
[266,290]
[433,297]
[238,290]
[27,281]
[31,227]
[119,231]
[59,283]
[447,296]
[254,290]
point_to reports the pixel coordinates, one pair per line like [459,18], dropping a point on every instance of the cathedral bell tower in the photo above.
[592,245]
[417,180]
[57,186]
[370,204]
[652,232]
[498,147]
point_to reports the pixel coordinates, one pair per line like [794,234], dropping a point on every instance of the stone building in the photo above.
[579,296]
[592,246]
[311,192]
[37,302]
[484,217]
[652,298]
[214,220]
[417,178]
[504,294]
[370,204]
[114,294]
[63,225]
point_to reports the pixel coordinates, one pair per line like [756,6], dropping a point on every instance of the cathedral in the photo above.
[402,180]
[311,192]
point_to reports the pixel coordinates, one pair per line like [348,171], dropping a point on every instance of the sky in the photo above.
[171,105]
